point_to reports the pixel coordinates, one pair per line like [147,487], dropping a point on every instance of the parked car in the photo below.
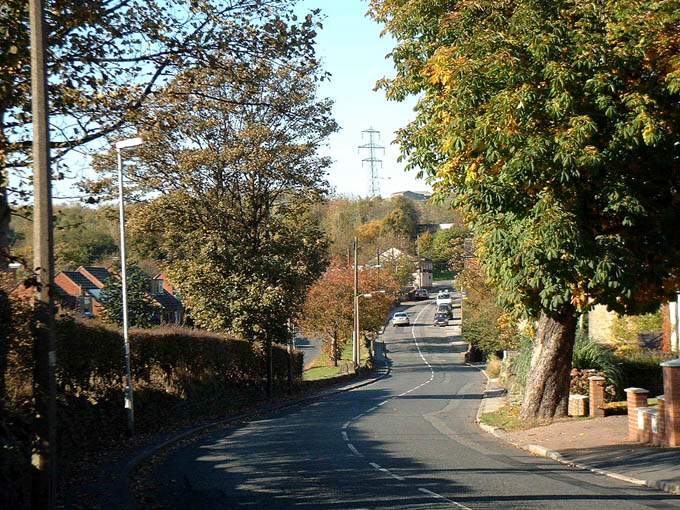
[441,319]
[422,294]
[400,319]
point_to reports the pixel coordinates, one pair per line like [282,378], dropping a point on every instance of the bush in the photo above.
[522,363]
[642,369]
[179,376]
[590,355]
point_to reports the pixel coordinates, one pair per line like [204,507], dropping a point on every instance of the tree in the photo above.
[402,220]
[444,248]
[231,155]
[328,309]
[141,307]
[108,57]
[556,125]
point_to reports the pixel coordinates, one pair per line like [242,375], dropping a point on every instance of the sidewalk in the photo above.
[597,444]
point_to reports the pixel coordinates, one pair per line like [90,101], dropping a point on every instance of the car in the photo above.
[441,319]
[422,294]
[443,298]
[400,319]
[445,309]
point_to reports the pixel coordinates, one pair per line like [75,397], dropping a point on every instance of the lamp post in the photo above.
[129,406]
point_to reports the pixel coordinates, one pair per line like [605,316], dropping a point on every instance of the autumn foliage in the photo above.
[328,310]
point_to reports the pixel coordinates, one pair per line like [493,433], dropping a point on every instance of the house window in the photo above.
[86,305]
[157,286]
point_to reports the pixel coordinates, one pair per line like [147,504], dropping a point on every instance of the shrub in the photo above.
[642,369]
[522,362]
[179,375]
[588,354]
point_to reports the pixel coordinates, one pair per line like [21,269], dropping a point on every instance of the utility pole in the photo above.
[43,494]
[372,159]
[420,267]
[356,356]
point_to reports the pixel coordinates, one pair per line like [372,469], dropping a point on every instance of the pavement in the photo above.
[408,441]
[600,445]
[310,347]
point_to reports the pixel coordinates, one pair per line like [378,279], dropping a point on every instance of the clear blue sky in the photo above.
[352,50]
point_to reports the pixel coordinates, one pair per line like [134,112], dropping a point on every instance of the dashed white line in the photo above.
[378,467]
[439,496]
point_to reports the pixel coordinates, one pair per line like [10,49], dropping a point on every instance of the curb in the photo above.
[146,454]
[541,451]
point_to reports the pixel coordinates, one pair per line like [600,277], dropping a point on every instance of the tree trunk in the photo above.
[547,391]
[334,351]
[270,366]
[5,212]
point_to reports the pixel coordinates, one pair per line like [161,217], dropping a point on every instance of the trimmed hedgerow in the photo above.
[179,375]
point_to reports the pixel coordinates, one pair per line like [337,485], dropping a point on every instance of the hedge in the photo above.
[179,375]
[642,369]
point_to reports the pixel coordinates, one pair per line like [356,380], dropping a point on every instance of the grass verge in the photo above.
[323,368]
[507,418]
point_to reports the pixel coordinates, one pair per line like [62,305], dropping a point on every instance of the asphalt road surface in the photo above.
[406,441]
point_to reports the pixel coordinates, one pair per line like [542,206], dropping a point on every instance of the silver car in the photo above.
[400,319]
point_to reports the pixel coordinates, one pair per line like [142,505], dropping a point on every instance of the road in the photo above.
[406,441]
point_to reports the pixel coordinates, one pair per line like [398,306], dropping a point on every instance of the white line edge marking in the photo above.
[439,496]
[354,450]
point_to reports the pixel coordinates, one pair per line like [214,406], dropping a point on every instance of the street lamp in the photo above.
[356,346]
[129,406]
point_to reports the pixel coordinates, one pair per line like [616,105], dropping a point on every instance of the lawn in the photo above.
[322,367]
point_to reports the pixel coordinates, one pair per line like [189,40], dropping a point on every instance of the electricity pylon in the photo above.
[373,161]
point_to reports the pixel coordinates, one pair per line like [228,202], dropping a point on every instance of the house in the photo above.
[73,289]
[81,290]
[163,292]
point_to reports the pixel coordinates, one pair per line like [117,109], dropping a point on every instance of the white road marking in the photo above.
[439,496]
[354,450]
[346,425]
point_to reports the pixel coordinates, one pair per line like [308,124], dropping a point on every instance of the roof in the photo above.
[80,279]
[391,254]
[100,273]
[167,301]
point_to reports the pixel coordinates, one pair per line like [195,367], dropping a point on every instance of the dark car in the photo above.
[441,319]
[445,310]
[422,294]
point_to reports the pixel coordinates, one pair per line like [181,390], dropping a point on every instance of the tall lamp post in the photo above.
[129,405]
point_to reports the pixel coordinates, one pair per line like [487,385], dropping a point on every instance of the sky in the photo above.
[353,52]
